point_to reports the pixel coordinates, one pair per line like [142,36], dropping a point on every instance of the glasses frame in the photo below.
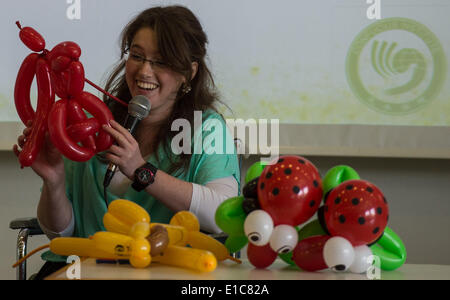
[141,60]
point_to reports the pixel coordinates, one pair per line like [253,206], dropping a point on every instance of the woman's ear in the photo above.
[194,66]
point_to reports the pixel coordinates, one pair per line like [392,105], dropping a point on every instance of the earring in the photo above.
[185,88]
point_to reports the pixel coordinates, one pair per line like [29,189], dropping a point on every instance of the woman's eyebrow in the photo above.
[137,46]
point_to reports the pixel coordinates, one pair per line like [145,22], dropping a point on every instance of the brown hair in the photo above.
[181,41]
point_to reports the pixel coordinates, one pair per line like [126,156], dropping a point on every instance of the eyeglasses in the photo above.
[139,60]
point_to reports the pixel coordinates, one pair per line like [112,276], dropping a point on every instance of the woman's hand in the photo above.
[49,164]
[125,153]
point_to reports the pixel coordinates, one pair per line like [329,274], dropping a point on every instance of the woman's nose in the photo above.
[146,68]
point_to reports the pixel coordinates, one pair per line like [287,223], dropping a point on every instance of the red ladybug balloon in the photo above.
[357,211]
[290,190]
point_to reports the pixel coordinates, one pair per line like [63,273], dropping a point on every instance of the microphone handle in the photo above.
[130,125]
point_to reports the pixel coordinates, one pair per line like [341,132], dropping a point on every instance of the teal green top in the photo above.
[84,181]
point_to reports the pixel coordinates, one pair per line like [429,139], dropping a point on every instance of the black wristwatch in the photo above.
[144,176]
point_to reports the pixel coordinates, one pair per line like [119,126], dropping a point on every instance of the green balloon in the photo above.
[337,175]
[313,228]
[235,243]
[255,170]
[390,249]
[230,216]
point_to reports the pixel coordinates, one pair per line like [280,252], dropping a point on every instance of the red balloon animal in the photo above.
[58,71]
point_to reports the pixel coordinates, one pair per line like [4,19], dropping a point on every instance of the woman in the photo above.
[163,58]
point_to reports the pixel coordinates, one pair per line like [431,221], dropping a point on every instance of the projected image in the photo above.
[396,66]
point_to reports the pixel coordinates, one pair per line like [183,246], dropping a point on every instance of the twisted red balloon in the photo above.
[59,72]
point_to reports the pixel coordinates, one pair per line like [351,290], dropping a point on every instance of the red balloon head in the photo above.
[290,190]
[357,211]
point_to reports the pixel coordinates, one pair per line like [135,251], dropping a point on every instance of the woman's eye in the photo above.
[136,57]
[160,64]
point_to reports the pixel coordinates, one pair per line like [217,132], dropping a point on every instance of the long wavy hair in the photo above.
[181,41]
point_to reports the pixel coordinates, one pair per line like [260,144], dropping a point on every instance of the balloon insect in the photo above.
[59,72]
[286,194]
[352,227]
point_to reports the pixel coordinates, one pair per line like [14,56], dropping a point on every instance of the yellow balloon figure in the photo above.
[130,235]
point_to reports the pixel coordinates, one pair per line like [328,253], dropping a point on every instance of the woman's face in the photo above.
[154,80]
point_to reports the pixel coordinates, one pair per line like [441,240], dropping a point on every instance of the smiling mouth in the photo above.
[146,86]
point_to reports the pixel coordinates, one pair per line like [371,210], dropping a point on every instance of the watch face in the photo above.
[144,175]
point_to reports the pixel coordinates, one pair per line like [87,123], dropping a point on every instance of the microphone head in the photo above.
[139,107]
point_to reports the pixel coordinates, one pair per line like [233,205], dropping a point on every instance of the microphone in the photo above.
[138,109]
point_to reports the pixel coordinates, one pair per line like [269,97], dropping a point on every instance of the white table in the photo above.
[229,270]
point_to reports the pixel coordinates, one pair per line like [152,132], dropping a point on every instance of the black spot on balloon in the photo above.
[342,219]
[296,189]
[280,160]
[361,221]
[384,199]
[337,200]
[301,161]
[355,201]
[312,203]
[268,175]
[316,184]
[349,187]
[287,171]
[262,185]
[275,191]
[379,210]
[369,189]
[375,231]
[340,268]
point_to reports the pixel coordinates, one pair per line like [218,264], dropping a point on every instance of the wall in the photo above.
[417,191]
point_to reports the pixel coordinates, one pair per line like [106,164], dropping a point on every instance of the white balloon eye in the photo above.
[362,262]
[338,254]
[284,239]
[258,227]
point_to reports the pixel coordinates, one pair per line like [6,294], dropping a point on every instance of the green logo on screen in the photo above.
[396,66]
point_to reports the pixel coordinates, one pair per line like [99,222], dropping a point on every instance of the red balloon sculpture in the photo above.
[290,192]
[59,72]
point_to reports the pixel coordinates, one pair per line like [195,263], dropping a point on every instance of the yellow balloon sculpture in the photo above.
[130,235]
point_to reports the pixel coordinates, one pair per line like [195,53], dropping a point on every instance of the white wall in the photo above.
[417,192]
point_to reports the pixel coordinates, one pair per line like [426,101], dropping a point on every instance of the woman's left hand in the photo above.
[125,153]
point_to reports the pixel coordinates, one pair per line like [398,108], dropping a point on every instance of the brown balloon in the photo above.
[159,239]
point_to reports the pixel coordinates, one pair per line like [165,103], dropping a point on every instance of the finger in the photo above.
[27,131]
[116,150]
[16,150]
[113,158]
[21,141]
[119,137]
[122,130]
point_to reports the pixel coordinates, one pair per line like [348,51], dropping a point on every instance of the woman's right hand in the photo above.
[49,164]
